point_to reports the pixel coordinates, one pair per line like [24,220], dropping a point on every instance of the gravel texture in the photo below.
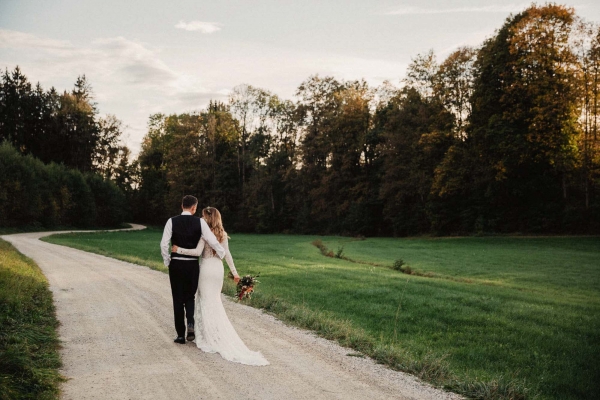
[117,342]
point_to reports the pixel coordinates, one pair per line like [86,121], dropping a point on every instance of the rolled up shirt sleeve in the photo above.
[211,239]
[165,243]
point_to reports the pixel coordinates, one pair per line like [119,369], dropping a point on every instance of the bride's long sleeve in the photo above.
[228,257]
[197,252]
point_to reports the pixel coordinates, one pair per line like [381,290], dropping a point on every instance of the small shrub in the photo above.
[398,264]
[340,252]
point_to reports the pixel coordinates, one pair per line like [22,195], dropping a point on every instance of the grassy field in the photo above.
[29,359]
[492,317]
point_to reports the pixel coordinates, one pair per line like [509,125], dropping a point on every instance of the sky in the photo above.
[145,57]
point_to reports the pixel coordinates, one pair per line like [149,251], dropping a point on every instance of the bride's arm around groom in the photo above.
[199,250]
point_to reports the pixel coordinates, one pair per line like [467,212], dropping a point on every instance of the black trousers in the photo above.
[183,275]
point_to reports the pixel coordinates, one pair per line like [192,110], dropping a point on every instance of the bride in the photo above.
[214,333]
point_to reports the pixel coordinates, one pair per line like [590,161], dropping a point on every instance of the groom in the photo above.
[185,231]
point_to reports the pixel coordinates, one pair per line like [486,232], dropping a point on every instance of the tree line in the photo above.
[35,194]
[60,164]
[497,138]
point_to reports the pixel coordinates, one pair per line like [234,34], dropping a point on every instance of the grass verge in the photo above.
[29,359]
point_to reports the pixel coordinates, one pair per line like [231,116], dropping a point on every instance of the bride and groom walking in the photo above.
[194,258]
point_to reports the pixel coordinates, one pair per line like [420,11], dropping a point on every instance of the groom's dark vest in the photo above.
[186,233]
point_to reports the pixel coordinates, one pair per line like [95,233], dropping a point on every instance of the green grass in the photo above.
[29,359]
[488,317]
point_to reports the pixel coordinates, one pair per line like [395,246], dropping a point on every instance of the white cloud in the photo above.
[119,60]
[374,71]
[505,8]
[474,39]
[132,62]
[16,39]
[204,27]
[128,77]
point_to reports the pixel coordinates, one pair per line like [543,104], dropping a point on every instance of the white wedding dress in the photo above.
[213,330]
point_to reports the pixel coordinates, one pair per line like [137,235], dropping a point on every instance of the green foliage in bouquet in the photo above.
[245,287]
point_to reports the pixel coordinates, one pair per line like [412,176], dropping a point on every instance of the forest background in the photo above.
[502,138]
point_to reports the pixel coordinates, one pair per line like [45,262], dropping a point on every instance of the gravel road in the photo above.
[117,342]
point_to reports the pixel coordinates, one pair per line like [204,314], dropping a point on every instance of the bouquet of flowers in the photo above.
[245,286]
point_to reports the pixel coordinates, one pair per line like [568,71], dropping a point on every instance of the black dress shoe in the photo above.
[179,339]
[190,332]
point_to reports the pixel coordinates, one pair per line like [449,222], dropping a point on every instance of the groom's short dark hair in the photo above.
[189,201]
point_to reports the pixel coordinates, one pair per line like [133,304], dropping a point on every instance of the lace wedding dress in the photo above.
[213,330]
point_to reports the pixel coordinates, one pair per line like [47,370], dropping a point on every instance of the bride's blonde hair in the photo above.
[212,216]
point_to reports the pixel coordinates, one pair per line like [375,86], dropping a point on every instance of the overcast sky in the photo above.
[150,56]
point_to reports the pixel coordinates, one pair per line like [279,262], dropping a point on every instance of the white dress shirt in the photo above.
[207,235]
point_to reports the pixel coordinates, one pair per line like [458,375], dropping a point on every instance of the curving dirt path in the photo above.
[117,342]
